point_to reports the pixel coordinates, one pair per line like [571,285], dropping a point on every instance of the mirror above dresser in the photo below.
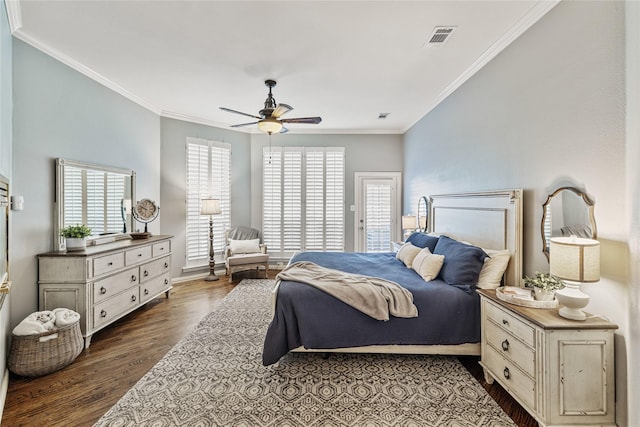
[567,212]
[98,196]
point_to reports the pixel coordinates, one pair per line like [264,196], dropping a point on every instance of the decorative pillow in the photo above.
[244,246]
[427,265]
[493,269]
[407,253]
[423,240]
[462,262]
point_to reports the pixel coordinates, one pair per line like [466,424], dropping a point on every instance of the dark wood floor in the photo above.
[122,353]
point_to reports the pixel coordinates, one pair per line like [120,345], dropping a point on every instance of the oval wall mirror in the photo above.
[567,212]
[423,209]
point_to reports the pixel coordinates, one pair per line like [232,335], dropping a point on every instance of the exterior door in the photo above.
[377,211]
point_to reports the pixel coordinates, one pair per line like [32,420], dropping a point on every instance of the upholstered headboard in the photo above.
[491,220]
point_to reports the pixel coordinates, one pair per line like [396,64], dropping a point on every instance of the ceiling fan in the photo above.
[269,120]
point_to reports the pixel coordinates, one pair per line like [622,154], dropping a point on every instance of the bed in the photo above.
[448,322]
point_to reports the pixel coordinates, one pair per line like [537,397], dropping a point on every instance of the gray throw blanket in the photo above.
[373,296]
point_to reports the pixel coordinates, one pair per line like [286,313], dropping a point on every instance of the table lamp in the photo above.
[409,225]
[574,260]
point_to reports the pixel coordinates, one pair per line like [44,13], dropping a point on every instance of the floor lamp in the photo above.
[210,207]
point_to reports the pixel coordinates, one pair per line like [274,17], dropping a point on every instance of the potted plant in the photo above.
[544,285]
[76,236]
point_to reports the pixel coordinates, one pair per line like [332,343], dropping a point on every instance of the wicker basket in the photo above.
[40,354]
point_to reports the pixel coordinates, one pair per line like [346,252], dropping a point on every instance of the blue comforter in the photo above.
[308,317]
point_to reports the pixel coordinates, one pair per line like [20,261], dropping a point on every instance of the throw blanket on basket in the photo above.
[373,296]
[44,321]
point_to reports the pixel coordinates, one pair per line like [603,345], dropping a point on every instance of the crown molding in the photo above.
[14,14]
[198,120]
[533,15]
[83,69]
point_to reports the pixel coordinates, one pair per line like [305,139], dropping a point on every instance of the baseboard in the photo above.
[3,391]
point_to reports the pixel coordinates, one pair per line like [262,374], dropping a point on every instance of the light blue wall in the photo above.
[59,112]
[6,114]
[173,176]
[547,111]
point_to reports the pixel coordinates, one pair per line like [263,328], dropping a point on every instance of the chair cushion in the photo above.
[241,259]
[244,246]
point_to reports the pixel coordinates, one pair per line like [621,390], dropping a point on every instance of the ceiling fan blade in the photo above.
[243,124]
[281,110]
[239,112]
[312,120]
[284,130]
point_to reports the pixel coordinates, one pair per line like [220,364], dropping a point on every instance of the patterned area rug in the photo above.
[214,377]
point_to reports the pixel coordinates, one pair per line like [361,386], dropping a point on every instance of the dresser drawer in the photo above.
[510,323]
[155,268]
[112,285]
[161,248]
[108,263]
[511,377]
[108,310]
[137,255]
[154,286]
[511,348]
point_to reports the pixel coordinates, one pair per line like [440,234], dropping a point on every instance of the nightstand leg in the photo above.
[487,376]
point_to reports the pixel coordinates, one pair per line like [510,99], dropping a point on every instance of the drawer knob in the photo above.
[505,322]
[133,298]
[110,263]
[103,290]
[166,265]
[166,281]
[146,273]
[103,313]
[139,255]
[506,373]
[505,345]
[146,291]
[133,277]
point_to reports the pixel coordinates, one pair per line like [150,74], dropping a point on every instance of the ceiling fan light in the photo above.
[269,126]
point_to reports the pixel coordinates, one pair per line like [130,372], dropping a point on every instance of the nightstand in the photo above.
[561,371]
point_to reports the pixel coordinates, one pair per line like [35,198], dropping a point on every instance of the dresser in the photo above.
[561,371]
[105,282]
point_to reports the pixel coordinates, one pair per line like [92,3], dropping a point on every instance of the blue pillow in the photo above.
[423,240]
[462,262]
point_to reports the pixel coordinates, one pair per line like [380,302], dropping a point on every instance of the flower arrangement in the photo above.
[544,281]
[75,231]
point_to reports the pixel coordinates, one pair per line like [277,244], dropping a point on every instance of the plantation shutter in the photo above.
[378,214]
[73,185]
[303,199]
[103,191]
[208,175]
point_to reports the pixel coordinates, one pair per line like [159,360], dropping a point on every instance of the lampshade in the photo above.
[409,222]
[269,126]
[210,207]
[575,259]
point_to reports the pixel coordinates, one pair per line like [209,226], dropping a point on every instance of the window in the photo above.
[94,198]
[303,199]
[208,175]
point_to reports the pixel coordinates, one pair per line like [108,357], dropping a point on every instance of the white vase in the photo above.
[76,244]
[543,295]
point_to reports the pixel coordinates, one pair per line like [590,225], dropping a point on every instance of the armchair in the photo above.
[245,251]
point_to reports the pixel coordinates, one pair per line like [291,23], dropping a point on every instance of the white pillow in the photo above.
[407,253]
[493,268]
[427,265]
[244,246]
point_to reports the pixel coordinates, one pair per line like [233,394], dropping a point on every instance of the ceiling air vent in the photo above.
[439,36]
